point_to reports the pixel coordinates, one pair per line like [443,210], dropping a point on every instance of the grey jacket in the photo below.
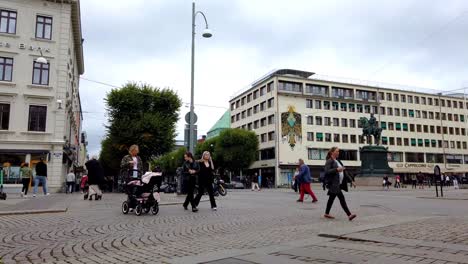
[332,177]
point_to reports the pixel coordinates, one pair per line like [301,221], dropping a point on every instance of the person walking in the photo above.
[84,184]
[420,178]
[191,169]
[95,178]
[70,181]
[414,181]
[131,164]
[447,181]
[295,184]
[397,181]
[386,183]
[41,177]
[305,179]
[337,178]
[205,180]
[26,175]
[255,182]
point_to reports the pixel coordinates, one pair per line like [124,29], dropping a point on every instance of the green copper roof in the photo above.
[223,123]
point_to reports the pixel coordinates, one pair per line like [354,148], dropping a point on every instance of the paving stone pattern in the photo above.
[97,232]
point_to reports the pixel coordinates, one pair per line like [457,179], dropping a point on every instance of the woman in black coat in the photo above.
[337,179]
[191,169]
[205,179]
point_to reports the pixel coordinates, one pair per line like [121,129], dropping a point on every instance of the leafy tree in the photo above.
[141,115]
[170,161]
[208,145]
[235,149]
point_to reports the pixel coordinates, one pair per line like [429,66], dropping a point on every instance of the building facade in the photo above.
[296,116]
[40,108]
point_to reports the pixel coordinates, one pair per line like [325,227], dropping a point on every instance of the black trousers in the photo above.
[72,185]
[341,197]
[25,182]
[190,186]
[208,186]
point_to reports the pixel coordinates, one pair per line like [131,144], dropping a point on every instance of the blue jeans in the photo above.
[41,179]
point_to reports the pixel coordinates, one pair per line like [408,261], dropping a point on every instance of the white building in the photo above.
[40,108]
[290,106]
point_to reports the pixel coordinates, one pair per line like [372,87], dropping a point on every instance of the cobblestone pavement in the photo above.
[249,227]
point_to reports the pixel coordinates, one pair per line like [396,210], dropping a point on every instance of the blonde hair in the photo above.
[132,148]
[210,160]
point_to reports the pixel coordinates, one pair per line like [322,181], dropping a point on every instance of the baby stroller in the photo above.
[143,194]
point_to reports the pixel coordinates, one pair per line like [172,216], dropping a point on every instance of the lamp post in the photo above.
[206,34]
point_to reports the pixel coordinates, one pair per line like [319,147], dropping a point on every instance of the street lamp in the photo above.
[206,34]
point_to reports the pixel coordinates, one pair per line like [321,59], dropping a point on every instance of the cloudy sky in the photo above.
[408,42]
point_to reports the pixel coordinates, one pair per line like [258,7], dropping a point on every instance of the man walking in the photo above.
[255,182]
[305,179]
[95,178]
[41,176]
[70,182]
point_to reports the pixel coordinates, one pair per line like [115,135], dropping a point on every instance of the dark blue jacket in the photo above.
[304,174]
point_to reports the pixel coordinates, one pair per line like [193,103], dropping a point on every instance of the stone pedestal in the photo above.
[374,163]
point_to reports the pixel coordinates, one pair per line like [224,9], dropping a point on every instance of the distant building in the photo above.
[223,123]
[40,107]
[297,115]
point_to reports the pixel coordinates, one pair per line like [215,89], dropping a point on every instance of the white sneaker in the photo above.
[34,195]
[47,194]
[25,196]
[214,209]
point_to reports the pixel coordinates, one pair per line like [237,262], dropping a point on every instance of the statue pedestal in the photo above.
[374,163]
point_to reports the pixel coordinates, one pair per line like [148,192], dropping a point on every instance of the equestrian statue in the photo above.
[370,128]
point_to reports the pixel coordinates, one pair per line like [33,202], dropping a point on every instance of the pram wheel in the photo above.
[138,209]
[155,209]
[146,210]
[125,207]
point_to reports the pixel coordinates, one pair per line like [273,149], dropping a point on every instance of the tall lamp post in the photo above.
[206,34]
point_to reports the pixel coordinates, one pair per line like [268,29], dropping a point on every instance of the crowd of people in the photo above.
[200,174]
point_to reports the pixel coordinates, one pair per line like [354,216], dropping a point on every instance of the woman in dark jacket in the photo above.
[337,179]
[190,172]
[205,179]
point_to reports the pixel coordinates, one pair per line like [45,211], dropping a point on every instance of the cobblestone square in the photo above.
[249,227]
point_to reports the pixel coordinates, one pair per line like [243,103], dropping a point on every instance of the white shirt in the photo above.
[70,177]
[341,173]
[135,163]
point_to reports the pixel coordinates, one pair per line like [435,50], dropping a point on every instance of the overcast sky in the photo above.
[412,42]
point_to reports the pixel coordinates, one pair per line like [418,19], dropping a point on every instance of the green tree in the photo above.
[235,149]
[171,161]
[208,145]
[141,115]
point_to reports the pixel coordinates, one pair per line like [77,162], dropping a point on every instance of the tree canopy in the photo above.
[143,115]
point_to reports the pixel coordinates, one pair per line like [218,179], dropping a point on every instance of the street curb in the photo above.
[54,211]
[46,211]
[443,198]
[178,203]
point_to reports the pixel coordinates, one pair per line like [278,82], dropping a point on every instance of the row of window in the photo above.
[417,157]
[36,120]
[347,93]
[253,96]
[390,111]
[8,24]
[328,121]
[392,141]
[270,120]
[255,109]
[270,136]
[40,74]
